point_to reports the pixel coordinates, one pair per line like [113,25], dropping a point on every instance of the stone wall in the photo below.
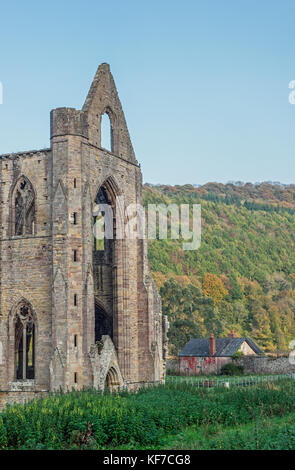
[266,365]
[26,262]
[251,364]
[172,365]
[61,288]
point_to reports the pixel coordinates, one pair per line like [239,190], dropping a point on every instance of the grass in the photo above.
[173,416]
[277,433]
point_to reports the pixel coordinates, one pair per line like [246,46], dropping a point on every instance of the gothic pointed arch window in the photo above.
[106,131]
[24,342]
[104,256]
[23,208]
[101,201]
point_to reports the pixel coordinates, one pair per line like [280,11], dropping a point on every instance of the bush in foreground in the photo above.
[84,420]
[232,369]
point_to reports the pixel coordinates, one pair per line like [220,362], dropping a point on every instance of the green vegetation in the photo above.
[243,275]
[232,369]
[237,355]
[277,433]
[89,420]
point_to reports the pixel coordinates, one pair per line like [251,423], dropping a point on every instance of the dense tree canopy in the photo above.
[243,275]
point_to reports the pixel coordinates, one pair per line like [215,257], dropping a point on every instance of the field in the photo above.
[174,416]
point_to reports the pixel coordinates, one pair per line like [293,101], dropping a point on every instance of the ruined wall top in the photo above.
[24,154]
[102,98]
[68,121]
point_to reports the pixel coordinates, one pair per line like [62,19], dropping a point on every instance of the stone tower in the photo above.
[75,312]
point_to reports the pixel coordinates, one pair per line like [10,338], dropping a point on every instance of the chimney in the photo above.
[232,334]
[212,345]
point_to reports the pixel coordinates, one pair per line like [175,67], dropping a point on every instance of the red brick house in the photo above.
[208,355]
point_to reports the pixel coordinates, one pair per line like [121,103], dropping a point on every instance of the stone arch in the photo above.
[23,343]
[22,208]
[103,96]
[22,301]
[105,258]
[114,199]
[112,188]
[112,381]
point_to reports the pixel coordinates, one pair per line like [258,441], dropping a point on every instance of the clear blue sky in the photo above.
[204,84]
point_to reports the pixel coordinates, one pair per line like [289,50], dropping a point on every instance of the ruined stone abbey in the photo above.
[75,312]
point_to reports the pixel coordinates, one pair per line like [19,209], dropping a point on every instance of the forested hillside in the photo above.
[243,275]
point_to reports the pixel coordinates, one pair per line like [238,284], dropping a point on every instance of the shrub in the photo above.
[232,369]
[88,419]
[237,355]
[3,436]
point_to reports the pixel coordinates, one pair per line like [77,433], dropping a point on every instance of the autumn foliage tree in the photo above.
[213,287]
[243,275]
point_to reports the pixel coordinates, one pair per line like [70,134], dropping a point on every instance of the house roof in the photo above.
[225,347]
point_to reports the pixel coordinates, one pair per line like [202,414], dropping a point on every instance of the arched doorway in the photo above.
[112,381]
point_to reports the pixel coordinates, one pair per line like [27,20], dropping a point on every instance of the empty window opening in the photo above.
[99,241]
[75,182]
[76,377]
[75,341]
[103,323]
[24,344]
[75,300]
[24,207]
[75,218]
[106,133]
[75,255]
[99,232]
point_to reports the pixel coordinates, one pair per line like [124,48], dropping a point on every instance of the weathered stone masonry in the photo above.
[72,315]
